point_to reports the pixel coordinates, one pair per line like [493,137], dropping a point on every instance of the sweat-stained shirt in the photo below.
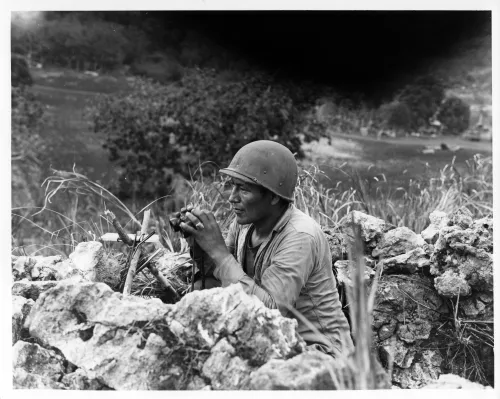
[292,268]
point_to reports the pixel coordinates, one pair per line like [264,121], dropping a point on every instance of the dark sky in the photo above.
[353,49]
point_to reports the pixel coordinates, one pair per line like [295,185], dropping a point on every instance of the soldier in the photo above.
[275,251]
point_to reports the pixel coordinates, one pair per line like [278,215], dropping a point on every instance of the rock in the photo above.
[257,333]
[344,273]
[80,380]
[132,343]
[419,329]
[407,312]
[396,242]
[93,264]
[461,218]
[421,373]
[86,257]
[479,306]
[451,284]
[45,267]
[21,307]
[398,352]
[36,367]
[31,289]
[307,371]
[371,228]
[313,370]
[408,263]
[102,332]
[462,260]
[337,244]
[438,221]
[22,267]
[24,380]
[224,368]
[452,381]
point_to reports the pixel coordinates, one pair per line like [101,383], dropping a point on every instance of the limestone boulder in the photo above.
[408,313]
[31,289]
[88,263]
[337,244]
[81,380]
[133,343]
[34,267]
[408,263]
[36,367]
[398,241]
[438,220]
[421,373]
[344,270]
[313,370]
[371,229]
[462,260]
[21,308]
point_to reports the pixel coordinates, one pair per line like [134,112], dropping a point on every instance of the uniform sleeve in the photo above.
[283,280]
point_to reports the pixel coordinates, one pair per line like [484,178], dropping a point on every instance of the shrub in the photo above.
[395,115]
[423,99]
[158,131]
[454,115]
[20,73]
[27,146]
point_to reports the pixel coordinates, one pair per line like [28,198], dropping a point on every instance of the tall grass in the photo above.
[449,189]
[74,205]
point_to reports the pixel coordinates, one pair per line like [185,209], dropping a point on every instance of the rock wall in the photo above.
[72,331]
[433,310]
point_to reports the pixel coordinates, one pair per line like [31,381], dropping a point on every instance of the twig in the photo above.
[119,229]
[133,264]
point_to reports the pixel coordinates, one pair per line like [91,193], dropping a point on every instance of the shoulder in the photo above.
[302,224]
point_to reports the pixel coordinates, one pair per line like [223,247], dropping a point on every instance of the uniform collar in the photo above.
[284,218]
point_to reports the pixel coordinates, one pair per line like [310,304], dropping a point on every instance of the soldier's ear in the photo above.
[275,199]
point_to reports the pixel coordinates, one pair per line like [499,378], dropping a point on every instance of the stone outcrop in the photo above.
[37,367]
[132,343]
[421,272]
[463,256]
[88,263]
[31,289]
[71,331]
[21,307]
[371,229]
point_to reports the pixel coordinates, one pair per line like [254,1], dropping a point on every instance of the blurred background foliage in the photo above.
[149,108]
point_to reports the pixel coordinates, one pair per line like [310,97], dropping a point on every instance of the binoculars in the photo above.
[179,217]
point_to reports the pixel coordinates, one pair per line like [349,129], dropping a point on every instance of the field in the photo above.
[385,177]
[400,160]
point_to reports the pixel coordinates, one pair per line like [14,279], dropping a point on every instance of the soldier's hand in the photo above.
[206,231]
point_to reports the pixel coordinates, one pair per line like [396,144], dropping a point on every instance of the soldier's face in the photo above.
[250,203]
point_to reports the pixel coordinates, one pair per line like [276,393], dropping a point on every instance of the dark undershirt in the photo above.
[251,253]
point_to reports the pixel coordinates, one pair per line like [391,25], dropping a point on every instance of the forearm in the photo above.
[229,271]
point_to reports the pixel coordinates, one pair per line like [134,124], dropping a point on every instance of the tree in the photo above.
[159,130]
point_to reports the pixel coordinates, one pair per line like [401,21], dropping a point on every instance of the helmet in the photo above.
[267,164]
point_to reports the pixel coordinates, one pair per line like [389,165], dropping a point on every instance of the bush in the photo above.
[20,73]
[27,146]
[454,115]
[158,131]
[395,115]
[423,99]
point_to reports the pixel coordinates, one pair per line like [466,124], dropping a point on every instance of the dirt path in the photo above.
[484,146]
[43,88]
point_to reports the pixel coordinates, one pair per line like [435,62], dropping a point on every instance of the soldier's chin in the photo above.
[240,219]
